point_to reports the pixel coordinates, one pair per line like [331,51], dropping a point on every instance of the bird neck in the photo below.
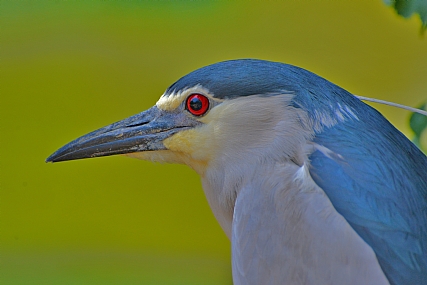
[223,185]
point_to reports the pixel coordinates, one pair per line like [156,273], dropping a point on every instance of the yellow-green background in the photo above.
[69,67]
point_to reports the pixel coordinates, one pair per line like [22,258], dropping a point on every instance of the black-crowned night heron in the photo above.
[311,185]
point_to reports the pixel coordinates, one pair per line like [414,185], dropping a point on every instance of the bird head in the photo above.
[214,115]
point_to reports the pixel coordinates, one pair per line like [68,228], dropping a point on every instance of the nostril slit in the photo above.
[137,124]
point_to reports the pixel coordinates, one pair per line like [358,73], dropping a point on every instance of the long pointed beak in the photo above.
[142,132]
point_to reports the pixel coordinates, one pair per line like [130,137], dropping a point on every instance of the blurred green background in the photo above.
[69,67]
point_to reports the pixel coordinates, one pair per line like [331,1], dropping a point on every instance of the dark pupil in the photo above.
[196,104]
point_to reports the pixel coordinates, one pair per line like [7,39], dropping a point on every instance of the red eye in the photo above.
[197,104]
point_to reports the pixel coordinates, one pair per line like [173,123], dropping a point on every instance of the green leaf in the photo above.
[406,8]
[418,124]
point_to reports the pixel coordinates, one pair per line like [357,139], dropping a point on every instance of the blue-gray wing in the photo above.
[377,180]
